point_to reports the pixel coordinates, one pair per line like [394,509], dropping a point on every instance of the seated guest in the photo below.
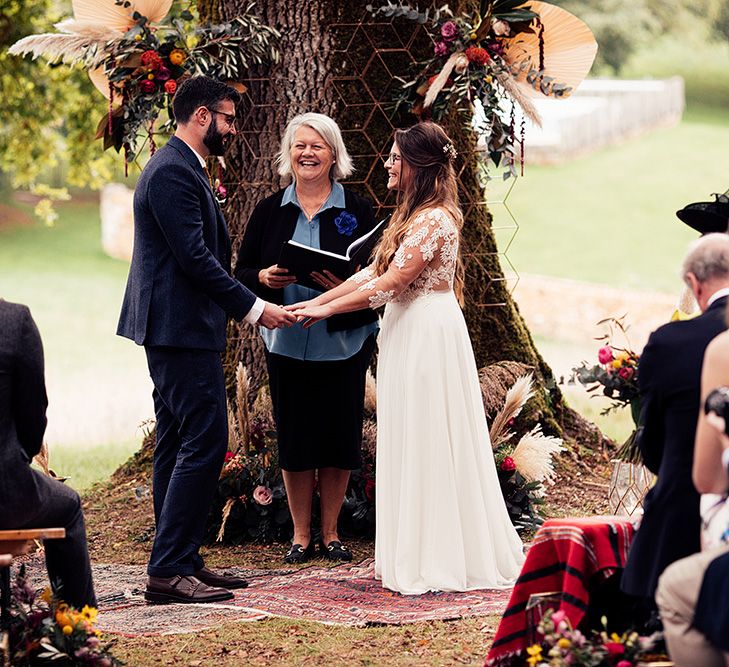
[669,375]
[693,592]
[28,498]
[316,375]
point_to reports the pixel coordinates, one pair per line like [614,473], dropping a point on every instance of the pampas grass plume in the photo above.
[516,397]
[533,455]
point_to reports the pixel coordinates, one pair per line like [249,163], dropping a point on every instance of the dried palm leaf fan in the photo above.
[119,18]
[556,57]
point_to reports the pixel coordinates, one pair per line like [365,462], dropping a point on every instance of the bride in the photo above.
[441,520]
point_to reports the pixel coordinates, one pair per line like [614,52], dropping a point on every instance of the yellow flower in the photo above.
[473,36]
[622,356]
[563,642]
[67,629]
[137,38]
[616,363]
[89,614]
[535,654]
[46,595]
[177,56]
[616,638]
[150,76]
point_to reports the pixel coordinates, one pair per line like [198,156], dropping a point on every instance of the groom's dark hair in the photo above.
[200,91]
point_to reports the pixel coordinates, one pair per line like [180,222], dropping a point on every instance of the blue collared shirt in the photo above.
[315,343]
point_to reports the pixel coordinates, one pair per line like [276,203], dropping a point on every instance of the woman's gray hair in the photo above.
[708,258]
[332,135]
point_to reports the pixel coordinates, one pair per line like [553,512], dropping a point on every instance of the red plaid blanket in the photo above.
[565,555]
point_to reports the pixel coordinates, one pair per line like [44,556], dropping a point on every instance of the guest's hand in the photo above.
[276,317]
[275,277]
[310,315]
[326,279]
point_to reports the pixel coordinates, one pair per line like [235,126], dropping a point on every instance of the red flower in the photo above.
[615,649]
[369,489]
[507,465]
[476,54]
[147,86]
[625,663]
[151,59]
[228,456]
[171,86]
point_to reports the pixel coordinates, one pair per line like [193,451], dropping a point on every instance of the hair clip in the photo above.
[450,150]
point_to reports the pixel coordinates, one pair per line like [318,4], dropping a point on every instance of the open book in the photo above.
[301,260]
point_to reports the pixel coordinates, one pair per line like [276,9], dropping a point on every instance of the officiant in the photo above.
[316,375]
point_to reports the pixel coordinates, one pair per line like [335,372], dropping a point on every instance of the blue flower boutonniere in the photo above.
[346,223]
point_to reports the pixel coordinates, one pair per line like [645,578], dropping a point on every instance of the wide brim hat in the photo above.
[707,217]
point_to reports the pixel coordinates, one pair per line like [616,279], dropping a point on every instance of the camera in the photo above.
[718,403]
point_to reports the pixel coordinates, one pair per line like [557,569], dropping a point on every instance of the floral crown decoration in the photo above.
[450,150]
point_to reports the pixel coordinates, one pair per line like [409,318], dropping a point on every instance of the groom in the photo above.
[179,295]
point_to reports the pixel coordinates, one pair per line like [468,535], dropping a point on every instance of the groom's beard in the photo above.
[213,140]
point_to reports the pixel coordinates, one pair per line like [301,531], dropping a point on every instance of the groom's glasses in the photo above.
[228,117]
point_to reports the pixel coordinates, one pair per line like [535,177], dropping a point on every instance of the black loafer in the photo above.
[335,551]
[297,554]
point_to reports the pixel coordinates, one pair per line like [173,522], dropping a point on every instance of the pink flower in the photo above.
[262,495]
[626,372]
[507,465]
[605,355]
[440,49]
[625,663]
[558,617]
[228,456]
[222,192]
[163,74]
[449,31]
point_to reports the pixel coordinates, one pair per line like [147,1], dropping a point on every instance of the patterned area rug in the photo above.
[342,595]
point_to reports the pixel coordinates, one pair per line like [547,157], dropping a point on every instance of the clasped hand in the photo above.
[310,312]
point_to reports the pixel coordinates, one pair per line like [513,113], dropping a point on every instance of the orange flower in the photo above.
[177,56]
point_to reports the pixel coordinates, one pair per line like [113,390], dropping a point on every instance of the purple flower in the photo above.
[449,31]
[440,49]
[346,223]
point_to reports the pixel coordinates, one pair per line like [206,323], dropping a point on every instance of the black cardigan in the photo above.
[271,225]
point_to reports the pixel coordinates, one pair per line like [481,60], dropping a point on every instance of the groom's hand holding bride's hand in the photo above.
[276,317]
[310,312]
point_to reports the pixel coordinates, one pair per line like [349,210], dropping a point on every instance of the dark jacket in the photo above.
[180,291]
[23,405]
[670,386]
[271,225]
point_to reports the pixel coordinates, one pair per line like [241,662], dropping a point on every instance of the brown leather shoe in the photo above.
[221,580]
[183,589]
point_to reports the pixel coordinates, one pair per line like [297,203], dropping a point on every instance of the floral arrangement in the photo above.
[563,646]
[615,376]
[471,66]
[44,630]
[526,467]
[138,67]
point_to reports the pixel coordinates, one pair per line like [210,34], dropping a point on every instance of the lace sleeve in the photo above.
[431,235]
[362,276]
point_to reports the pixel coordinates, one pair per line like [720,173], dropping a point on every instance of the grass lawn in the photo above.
[97,382]
[610,217]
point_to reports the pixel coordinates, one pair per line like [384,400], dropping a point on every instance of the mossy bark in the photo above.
[337,60]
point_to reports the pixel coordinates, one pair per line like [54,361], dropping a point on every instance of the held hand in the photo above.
[313,314]
[275,277]
[301,304]
[326,279]
[276,317]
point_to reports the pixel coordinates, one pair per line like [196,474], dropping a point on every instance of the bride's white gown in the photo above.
[442,524]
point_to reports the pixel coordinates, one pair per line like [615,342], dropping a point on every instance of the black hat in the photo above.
[709,216]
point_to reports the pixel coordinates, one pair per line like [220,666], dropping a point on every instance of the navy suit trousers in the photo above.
[192,438]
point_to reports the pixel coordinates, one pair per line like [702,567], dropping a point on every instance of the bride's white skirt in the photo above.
[441,519]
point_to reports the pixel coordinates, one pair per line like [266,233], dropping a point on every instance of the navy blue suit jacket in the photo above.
[669,375]
[180,291]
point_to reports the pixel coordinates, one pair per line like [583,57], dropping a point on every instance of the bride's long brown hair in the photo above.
[427,151]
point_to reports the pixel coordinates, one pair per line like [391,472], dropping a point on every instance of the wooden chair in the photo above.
[16,543]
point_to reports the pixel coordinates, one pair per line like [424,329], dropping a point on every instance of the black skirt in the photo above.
[318,408]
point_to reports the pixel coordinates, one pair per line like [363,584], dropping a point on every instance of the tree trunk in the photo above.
[337,60]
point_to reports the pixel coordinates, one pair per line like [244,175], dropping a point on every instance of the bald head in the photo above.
[706,267]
